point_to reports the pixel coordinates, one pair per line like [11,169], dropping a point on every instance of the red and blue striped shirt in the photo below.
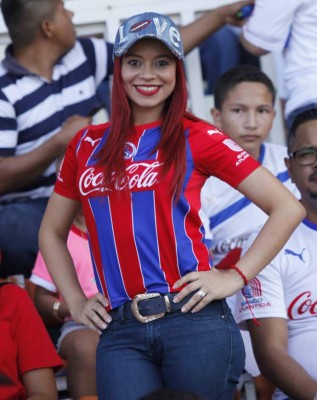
[142,240]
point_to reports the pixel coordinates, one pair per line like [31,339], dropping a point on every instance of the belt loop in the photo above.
[121,312]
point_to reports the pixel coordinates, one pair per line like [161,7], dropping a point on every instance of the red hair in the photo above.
[172,142]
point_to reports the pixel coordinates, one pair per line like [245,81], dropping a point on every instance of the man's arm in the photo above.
[16,172]
[197,31]
[269,341]
[251,48]
[44,301]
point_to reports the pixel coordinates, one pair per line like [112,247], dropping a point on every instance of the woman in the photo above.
[161,309]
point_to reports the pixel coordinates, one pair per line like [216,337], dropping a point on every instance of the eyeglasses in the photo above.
[305,156]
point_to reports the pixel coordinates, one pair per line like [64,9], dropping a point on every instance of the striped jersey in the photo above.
[33,109]
[142,239]
[229,217]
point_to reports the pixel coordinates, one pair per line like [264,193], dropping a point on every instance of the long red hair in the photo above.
[172,142]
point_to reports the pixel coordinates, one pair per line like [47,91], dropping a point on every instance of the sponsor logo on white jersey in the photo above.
[253,295]
[294,254]
[302,306]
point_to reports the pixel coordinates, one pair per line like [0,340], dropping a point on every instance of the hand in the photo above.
[214,284]
[231,10]
[70,127]
[92,313]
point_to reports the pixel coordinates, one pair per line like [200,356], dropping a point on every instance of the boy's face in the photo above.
[305,176]
[247,115]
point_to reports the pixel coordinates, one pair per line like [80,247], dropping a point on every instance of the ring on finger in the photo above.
[201,293]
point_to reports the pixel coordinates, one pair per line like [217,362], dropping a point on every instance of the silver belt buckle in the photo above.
[144,296]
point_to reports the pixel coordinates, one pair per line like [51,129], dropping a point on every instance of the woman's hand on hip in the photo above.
[92,313]
[208,286]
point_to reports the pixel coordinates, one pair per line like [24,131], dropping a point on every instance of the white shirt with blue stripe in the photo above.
[229,218]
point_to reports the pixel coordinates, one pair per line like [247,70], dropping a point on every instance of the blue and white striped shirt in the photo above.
[33,109]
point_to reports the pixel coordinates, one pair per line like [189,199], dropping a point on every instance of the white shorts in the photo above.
[68,327]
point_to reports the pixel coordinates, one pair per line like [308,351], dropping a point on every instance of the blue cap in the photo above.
[148,25]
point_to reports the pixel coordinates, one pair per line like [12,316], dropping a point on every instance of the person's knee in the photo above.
[80,346]
[19,226]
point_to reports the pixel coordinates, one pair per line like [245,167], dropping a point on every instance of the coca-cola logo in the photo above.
[140,176]
[302,304]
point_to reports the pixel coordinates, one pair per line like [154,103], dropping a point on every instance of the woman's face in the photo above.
[149,76]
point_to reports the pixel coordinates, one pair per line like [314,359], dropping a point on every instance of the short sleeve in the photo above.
[66,179]
[35,348]
[264,295]
[215,154]
[8,127]
[270,24]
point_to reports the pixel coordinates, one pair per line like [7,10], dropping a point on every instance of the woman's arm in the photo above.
[285,213]
[53,235]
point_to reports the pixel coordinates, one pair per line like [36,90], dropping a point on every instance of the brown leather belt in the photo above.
[149,306]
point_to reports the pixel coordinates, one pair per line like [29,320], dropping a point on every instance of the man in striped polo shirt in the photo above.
[48,82]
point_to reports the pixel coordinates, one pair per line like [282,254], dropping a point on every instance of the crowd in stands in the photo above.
[254,232]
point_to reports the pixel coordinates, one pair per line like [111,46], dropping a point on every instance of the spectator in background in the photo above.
[244,109]
[77,343]
[283,296]
[220,52]
[289,25]
[28,357]
[48,91]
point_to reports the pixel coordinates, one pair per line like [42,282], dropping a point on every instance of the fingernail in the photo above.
[108,320]
[183,309]
[175,286]
[175,299]
[103,326]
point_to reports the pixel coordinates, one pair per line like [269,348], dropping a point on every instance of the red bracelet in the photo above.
[245,280]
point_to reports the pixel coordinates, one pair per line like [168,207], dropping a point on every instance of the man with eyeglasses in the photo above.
[283,296]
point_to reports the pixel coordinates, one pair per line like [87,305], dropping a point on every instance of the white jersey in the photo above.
[229,218]
[287,288]
[289,25]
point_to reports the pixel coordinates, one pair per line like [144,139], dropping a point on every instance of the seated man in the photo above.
[283,296]
[244,109]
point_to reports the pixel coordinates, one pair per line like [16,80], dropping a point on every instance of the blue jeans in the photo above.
[202,353]
[19,228]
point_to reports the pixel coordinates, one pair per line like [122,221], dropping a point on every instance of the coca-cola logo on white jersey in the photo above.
[141,176]
[302,304]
